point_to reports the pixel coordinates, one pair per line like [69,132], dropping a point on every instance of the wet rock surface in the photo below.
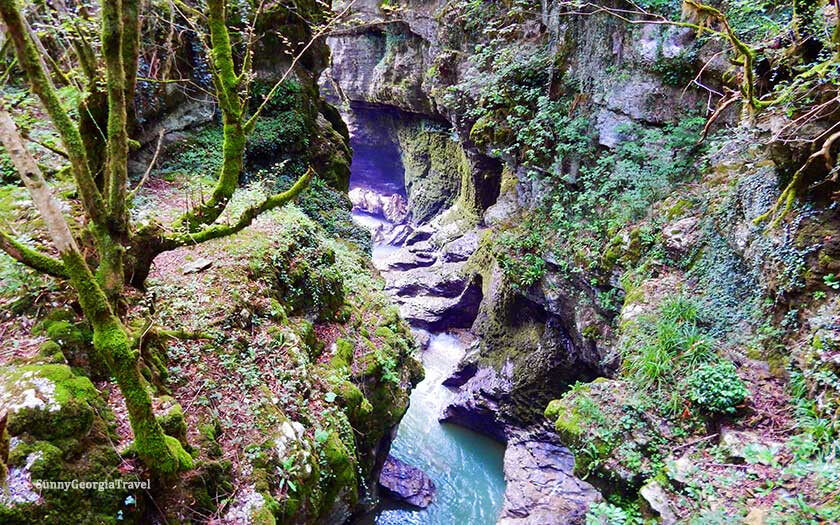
[406,483]
[541,487]
[479,402]
[461,248]
[392,207]
[407,260]
[429,284]
[438,313]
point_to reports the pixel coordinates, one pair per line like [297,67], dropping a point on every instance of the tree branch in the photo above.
[32,177]
[30,62]
[245,220]
[130,48]
[116,167]
[31,257]
[149,168]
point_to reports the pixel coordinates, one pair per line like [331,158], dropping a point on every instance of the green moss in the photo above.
[435,167]
[4,451]
[208,441]
[677,209]
[309,339]
[263,516]
[98,463]
[50,351]
[343,357]
[67,400]
[307,280]
[172,420]
[567,421]
[342,472]
[74,339]
[212,479]
[274,137]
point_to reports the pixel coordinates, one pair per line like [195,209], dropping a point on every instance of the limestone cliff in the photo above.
[598,206]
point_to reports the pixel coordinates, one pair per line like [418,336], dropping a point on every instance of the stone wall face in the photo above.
[430,59]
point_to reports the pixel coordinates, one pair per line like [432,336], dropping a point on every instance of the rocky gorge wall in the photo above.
[558,117]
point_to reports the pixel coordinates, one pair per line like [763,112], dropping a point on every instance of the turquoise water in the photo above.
[466,467]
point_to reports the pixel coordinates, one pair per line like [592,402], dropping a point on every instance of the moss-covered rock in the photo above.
[96,491]
[434,168]
[306,278]
[170,416]
[47,401]
[71,337]
[616,444]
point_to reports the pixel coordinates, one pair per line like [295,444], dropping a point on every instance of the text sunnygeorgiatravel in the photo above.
[75,484]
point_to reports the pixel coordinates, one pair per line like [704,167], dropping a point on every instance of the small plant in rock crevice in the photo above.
[521,256]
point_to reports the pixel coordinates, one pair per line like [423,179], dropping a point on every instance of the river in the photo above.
[465,467]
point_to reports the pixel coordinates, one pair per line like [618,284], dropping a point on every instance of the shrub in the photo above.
[273,137]
[607,514]
[716,388]
[520,255]
[200,154]
[286,97]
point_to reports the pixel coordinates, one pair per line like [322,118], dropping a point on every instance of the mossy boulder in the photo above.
[71,337]
[171,418]
[617,444]
[43,460]
[47,401]
[307,280]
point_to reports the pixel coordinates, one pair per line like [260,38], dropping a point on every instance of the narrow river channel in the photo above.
[465,467]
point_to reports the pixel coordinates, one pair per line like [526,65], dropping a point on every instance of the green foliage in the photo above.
[832,281]
[488,16]
[664,346]
[285,97]
[677,71]
[716,388]
[307,280]
[619,187]
[680,308]
[604,513]
[669,8]
[816,420]
[757,454]
[757,19]
[331,209]
[520,255]
[515,116]
[276,137]
[8,172]
[200,155]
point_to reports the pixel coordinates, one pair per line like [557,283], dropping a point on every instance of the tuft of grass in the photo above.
[669,345]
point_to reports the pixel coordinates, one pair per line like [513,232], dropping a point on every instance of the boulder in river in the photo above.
[477,405]
[540,486]
[391,207]
[406,483]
